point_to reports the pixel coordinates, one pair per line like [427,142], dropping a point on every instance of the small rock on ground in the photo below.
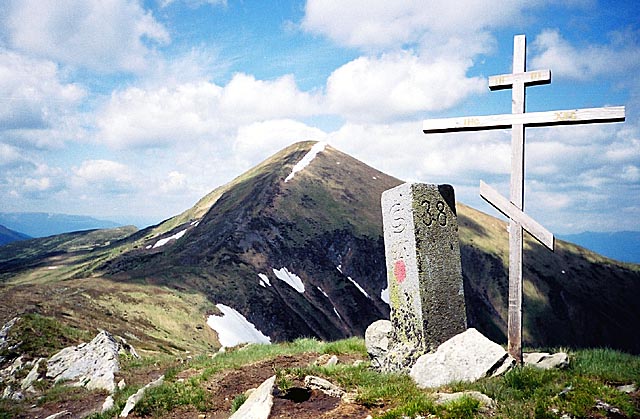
[259,403]
[546,361]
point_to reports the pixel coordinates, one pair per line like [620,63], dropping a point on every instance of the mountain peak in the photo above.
[317,148]
[295,246]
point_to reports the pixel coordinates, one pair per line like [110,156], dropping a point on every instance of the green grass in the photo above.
[608,365]
[237,402]
[41,336]
[169,395]
[172,394]
[524,392]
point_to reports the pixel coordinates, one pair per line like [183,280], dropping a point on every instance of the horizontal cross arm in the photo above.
[530,119]
[503,205]
[529,78]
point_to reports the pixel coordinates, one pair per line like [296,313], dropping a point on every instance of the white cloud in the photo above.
[100,176]
[97,170]
[404,151]
[175,182]
[34,95]
[101,35]
[36,181]
[260,139]
[183,113]
[383,24]
[137,117]
[9,155]
[37,184]
[621,55]
[630,173]
[398,84]
[248,99]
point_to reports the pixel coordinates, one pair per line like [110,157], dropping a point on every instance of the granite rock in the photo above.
[467,356]
[258,404]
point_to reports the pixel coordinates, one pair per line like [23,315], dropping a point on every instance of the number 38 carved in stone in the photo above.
[435,215]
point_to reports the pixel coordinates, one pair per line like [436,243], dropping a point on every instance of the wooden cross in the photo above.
[513,208]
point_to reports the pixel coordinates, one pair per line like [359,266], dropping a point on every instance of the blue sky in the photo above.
[133,110]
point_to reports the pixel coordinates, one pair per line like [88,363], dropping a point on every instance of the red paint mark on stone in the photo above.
[400,271]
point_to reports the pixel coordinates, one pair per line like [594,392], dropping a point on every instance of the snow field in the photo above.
[233,328]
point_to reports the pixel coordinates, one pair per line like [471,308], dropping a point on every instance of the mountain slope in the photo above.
[302,255]
[324,227]
[7,235]
[312,226]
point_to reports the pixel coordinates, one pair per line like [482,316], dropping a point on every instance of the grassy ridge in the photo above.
[524,392]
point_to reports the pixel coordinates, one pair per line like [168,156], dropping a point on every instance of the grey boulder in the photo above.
[467,356]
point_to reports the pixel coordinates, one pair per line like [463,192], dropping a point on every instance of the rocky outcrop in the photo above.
[4,333]
[15,388]
[33,375]
[468,356]
[377,339]
[92,365]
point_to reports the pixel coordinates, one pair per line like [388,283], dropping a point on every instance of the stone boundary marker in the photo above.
[424,272]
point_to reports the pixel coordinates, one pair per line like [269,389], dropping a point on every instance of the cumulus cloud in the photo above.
[399,84]
[587,62]
[175,182]
[9,155]
[402,150]
[137,117]
[260,139]
[34,94]
[31,180]
[103,175]
[382,24]
[100,35]
[247,98]
[156,116]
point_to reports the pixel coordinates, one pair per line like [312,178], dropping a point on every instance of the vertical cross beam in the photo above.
[517,198]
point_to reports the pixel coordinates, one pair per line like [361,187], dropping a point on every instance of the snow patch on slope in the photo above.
[359,287]
[322,291]
[317,147]
[166,240]
[264,280]
[233,328]
[292,279]
[336,311]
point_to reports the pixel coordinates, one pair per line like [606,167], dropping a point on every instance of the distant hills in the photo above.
[295,246]
[7,235]
[41,224]
[623,245]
